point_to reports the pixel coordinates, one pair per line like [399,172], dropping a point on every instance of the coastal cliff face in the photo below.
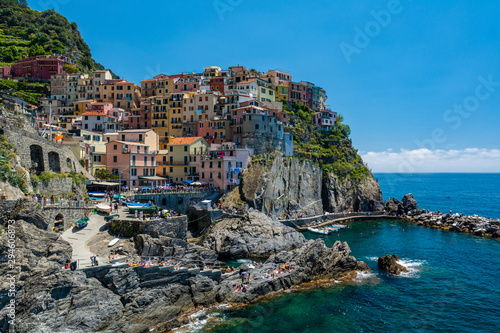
[289,186]
[352,195]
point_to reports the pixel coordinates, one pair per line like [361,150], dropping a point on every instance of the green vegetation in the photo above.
[105,174]
[25,32]
[46,176]
[331,150]
[17,177]
[30,91]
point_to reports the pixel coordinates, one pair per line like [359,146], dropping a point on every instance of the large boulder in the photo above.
[389,262]
[409,204]
[254,235]
[392,206]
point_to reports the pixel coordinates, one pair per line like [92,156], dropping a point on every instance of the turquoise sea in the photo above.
[453,283]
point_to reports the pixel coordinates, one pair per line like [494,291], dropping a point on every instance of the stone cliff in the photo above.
[286,185]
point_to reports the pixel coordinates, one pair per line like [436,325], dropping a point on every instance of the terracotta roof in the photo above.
[184,140]
[247,81]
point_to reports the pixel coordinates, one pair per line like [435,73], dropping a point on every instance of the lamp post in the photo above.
[50,120]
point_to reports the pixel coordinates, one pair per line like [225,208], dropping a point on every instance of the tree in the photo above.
[35,50]
[105,174]
[70,69]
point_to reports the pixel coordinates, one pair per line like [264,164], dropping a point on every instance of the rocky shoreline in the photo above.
[145,299]
[408,210]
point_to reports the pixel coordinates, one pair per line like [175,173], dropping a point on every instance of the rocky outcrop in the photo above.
[346,194]
[477,225]
[10,192]
[288,186]
[408,209]
[390,263]
[407,206]
[56,300]
[254,235]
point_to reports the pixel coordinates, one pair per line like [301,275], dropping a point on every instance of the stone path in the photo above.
[78,239]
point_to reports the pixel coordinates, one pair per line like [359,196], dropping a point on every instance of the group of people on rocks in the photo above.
[246,276]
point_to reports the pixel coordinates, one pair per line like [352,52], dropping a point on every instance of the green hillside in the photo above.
[332,151]
[25,32]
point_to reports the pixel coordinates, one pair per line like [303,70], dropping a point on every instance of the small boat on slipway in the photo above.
[103,208]
[319,231]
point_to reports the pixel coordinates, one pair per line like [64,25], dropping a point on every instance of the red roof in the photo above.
[184,140]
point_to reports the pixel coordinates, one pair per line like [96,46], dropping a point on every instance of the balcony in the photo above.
[130,151]
[171,163]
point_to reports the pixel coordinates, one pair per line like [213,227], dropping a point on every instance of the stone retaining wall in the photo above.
[49,156]
[56,186]
[69,215]
[175,227]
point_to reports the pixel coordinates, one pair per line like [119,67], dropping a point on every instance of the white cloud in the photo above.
[425,160]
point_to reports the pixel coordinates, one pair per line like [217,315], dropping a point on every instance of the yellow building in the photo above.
[124,95]
[282,92]
[211,71]
[81,106]
[183,158]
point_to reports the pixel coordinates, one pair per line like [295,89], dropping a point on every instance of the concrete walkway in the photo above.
[79,237]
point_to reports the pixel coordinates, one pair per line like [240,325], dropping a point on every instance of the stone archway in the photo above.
[59,222]
[54,163]
[36,154]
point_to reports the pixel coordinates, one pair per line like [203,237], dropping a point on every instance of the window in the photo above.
[239,164]
[256,126]
[219,175]
[97,158]
[152,161]
[145,172]
[219,164]
[202,164]
[171,169]
[211,175]
[133,172]
[115,159]
[115,147]
[171,148]
[140,137]
[185,169]
[185,148]
[145,160]
[211,166]
[86,117]
[202,175]
[98,117]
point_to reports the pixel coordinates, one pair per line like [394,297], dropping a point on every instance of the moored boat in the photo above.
[145,209]
[319,231]
[82,222]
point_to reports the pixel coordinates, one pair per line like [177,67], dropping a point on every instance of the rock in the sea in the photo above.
[254,235]
[409,204]
[392,206]
[389,262]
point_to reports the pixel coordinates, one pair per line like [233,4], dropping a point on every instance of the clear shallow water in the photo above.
[468,193]
[453,284]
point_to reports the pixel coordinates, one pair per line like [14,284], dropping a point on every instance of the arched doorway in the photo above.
[58,223]
[68,164]
[54,164]
[36,154]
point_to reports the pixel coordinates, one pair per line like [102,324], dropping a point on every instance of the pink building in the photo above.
[224,165]
[133,161]
[41,67]
[215,131]
[5,72]
[325,119]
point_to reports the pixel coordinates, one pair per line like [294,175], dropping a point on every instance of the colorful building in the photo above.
[41,67]
[223,165]
[183,155]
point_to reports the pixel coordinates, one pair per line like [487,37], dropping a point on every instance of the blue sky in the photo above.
[396,83]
